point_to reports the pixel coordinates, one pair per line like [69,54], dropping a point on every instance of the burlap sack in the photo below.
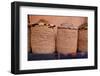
[42,39]
[83,38]
[67,36]
[29,39]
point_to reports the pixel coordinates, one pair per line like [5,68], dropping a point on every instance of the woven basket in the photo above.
[83,39]
[42,39]
[67,36]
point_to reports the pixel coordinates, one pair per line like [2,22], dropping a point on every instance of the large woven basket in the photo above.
[67,36]
[42,39]
[83,38]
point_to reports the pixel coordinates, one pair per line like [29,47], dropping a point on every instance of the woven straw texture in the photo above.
[42,40]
